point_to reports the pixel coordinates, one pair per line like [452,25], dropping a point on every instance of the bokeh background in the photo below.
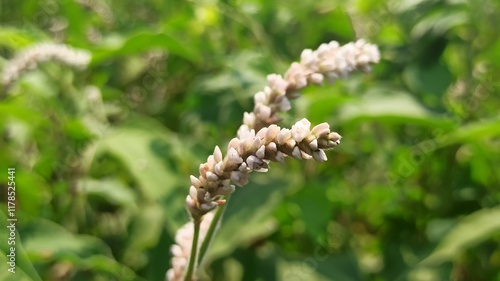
[103,155]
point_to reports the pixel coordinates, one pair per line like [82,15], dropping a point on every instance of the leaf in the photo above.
[319,105]
[108,265]
[434,79]
[439,22]
[17,108]
[316,208]
[338,21]
[44,239]
[247,216]
[472,132]
[320,266]
[143,233]
[34,199]
[142,42]
[470,231]
[144,147]
[408,5]
[24,268]
[14,38]
[47,241]
[109,189]
[77,21]
[492,53]
[391,106]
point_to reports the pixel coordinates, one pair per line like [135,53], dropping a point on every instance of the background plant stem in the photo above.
[211,230]
[194,247]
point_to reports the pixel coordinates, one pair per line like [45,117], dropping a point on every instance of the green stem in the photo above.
[194,247]
[211,230]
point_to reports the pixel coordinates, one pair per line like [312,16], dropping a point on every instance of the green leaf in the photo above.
[319,266]
[470,231]
[17,108]
[144,233]
[34,199]
[144,147]
[44,239]
[77,21]
[24,268]
[142,42]
[316,208]
[109,189]
[14,38]
[247,216]
[472,132]
[319,105]
[439,22]
[434,79]
[47,241]
[391,106]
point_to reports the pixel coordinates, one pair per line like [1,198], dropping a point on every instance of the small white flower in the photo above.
[263,111]
[314,144]
[260,98]
[243,167]
[335,137]
[321,130]
[261,134]
[271,133]
[296,153]
[234,143]
[277,83]
[233,158]
[211,161]
[317,78]
[283,136]
[226,189]
[271,147]
[261,152]
[285,105]
[253,162]
[193,192]
[249,119]
[301,129]
[239,178]
[308,57]
[305,156]
[256,143]
[211,176]
[217,154]
[219,168]
[319,155]
[207,207]
[280,157]
[195,181]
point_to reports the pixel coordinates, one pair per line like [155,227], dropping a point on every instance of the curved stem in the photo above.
[211,230]
[194,247]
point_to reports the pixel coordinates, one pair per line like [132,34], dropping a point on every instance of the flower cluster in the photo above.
[259,141]
[29,59]
[182,247]
[252,151]
[329,62]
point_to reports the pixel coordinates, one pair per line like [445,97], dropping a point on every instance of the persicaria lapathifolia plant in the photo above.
[30,57]
[259,141]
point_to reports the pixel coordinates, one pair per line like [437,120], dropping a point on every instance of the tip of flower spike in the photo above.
[217,154]
[319,155]
[335,137]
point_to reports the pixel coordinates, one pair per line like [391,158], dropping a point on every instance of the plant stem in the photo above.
[194,248]
[211,230]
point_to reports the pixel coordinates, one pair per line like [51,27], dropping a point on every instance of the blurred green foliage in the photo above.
[103,155]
